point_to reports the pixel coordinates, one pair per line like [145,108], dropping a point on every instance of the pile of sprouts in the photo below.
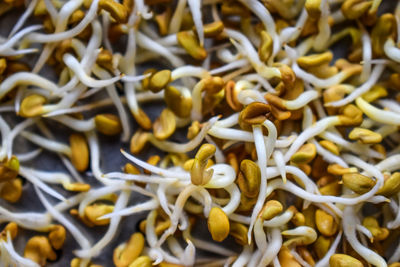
[256,132]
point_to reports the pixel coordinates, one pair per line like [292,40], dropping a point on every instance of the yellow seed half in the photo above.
[325,223]
[365,136]
[165,125]
[249,178]
[305,154]
[358,183]
[188,40]
[391,185]
[108,124]
[343,260]
[80,152]
[271,209]
[218,224]
[117,11]
[32,106]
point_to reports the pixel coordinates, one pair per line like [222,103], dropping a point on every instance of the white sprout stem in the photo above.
[149,44]
[263,14]
[260,237]
[367,56]
[353,147]
[37,182]
[249,96]
[131,98]
[75,232]
[75,124]
[211,247]
[364,230]
[262,163]
[131,79]
[324,29]
[154,169]
[28,155]
[11,52]
[397,16]
[319,127]
[5,132]
[142,97]
[189,71]
[95,250]
[47,144]
[290,187]
[376,114]
[158,255]
[178,208]
[234,202]
[249,51]
[349,224]
[176,19]
[396,255]
[26,78]
[389,164]
[71,168]
[111,90]
[189,255]
[391,50]
[56,37]
[301,100]
[259,79]
[141,178]
[15,257]
[102,192]
[369,168]
[60,21]
[255,258]
[307,118]
[223,176]
[7,108]
[162,197]
[395,223]
[95,159]
[145,206]
[229,121]
[329,156]
[305,233]
[325,260]
[13,133]
[174,246]
[23,18]
[51,177]
[169,146]
[196,113]
[244,256]
[317,82]
[168,40]
[52,11]
[28,220]
[195,9]
[365,87]
[79,71]
[292,33]
[298,258]
[13,40]
[240,135]
[277,221]
[390,104]
[237,63]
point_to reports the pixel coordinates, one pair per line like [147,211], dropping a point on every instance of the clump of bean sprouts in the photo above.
[247,140]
